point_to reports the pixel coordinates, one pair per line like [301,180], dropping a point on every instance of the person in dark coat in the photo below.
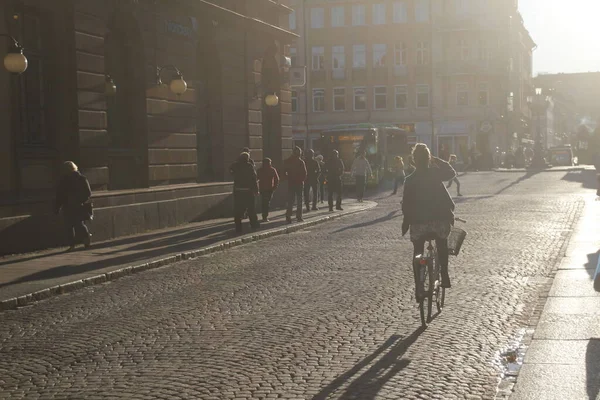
[427,206]
[313,171]
[268,181]
[247,150]
[334,170]
[322,179]
[245,188]
[295,173]
[72,192]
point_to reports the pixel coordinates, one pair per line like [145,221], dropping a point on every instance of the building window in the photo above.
[401,94]
[358,15]
[379,55]
[338,57]
[360,99]
[378,14]
[317,18]
[318,58]
[422,11]
[294,101]
[339,99]
[293,20]
[338,17]
[380,97]
[462,7]
[462,94]
[422,96]
[464,50]
[359,56]
[483,94]
[318,100]
[485,53]
[294,56]
[400,12]
[32,84]
[399,54]
[423,53]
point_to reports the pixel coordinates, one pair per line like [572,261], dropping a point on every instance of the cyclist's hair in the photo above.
[244,157]
[421,155]
[452,157]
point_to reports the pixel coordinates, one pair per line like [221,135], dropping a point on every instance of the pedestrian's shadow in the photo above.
[527,175]
[369,383]
[391,215]
[592,363]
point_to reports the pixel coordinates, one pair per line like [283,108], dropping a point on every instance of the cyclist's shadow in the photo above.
[370,382]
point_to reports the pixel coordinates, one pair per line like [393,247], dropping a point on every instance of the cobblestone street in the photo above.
[325,313]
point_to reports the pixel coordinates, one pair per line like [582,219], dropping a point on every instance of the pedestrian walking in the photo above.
[245,188]
[334,170]
[399,175]
[72,198]
[313,171]
[322,179]
[295,172]
[455,179]
[268,182]
[361,171]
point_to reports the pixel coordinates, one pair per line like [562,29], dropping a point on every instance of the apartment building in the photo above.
[451,72]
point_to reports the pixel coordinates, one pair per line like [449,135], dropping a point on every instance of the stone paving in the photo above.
[325,313]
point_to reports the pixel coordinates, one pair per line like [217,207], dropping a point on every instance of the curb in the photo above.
[28,299]
[521,170]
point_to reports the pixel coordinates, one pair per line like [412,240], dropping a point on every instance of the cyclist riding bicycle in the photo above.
[428,207]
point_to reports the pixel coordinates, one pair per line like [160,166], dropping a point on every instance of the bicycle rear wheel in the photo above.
[430,283]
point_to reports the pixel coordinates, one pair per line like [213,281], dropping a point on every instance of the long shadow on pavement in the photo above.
[592,365]
[391,215]
[587,178]
[370,382]
[590,266]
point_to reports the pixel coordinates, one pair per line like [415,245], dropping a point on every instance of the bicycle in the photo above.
[427,266]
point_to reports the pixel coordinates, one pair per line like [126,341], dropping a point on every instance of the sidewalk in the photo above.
[563,360]
[31,277]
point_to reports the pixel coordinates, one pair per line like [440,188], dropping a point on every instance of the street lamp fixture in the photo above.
[271,100]
[15,61]
[178,85]
[110,89]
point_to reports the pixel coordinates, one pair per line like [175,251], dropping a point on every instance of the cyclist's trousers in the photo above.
[442,251]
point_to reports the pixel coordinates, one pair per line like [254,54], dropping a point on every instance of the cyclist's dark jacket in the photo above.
[425,195]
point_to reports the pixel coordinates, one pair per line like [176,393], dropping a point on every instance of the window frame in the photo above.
[462,93]
[294,101]
[359,19]
[427,92]
[376,95]
[292,20]
[423,55]
[320,55]
[424,5]
[341,17]
[487,94]
[322,90]
[378,63]
[314,18]
[400,12]
[404,92]
[376,17]
[335,55]
[402,51]
[337,95]
[354,89]
[364,56]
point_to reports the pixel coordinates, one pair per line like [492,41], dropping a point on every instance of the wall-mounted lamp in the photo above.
[271,100]
[15,62]
[110,89]
[178,85]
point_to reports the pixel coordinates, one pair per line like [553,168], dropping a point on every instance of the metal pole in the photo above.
[306,57]
[434,150]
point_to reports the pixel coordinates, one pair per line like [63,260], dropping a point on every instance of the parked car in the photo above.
[562,156]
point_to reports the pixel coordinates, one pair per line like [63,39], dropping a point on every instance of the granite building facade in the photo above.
[154,158]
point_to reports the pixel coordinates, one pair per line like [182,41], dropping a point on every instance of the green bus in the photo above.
[381,143]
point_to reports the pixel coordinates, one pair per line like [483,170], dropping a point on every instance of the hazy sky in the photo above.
[567,34]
